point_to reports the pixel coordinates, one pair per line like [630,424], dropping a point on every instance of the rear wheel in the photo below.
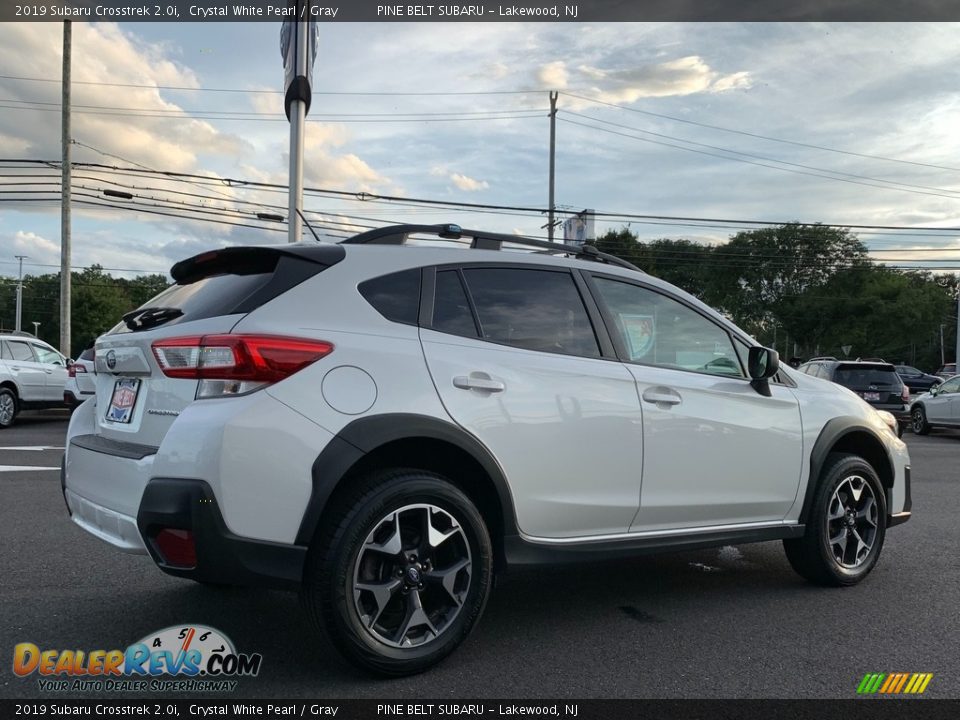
[402,574]
[918,421]
[8,407]
[846,526]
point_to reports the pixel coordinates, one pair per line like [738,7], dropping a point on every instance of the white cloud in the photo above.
[553,75]
[468,184]
[103,53]
[679,77]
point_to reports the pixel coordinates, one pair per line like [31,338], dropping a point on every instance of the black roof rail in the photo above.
[481,240]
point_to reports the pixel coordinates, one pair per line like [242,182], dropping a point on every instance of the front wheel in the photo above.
[918,421]
[846,525]
[402,575]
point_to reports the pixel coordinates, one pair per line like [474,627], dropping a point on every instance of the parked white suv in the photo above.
[383,426]
[32,376]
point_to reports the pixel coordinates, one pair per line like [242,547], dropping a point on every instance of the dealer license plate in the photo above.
[124,398]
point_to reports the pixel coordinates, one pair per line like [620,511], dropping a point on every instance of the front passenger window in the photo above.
[658,330]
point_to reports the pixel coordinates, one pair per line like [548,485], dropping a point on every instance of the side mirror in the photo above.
[763,363]
[935,389]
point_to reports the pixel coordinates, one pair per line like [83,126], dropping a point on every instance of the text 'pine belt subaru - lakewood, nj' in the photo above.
[383,425]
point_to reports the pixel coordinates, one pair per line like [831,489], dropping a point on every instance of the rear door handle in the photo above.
[661,396]
[478,381]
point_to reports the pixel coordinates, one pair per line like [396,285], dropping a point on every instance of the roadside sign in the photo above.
[846,350]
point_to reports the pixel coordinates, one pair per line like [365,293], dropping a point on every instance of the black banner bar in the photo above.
[472,11]
[875,708]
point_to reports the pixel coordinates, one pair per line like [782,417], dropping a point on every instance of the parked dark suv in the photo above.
[877,382]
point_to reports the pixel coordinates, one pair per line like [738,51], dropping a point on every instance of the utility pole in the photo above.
[553,151]
[943,359]
[21,258]
[65,269]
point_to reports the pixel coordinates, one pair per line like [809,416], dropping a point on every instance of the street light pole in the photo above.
[36,328]
[21,258]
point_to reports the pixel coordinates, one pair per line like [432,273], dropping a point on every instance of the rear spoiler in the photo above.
[249,260]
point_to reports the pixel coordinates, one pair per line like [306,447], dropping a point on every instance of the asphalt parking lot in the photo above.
[730,623]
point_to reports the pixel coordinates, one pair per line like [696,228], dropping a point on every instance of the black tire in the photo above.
[918,421]
[339,553]
[813,556]
[8,399]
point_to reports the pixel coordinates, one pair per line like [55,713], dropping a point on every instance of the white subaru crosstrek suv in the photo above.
[383,426]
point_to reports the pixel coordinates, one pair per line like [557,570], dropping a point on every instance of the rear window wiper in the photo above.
[150,317]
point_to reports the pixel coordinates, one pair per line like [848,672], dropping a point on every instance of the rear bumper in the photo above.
[222,557]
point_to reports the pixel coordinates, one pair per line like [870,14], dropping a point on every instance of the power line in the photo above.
[751,155]
[759,164]
[279,92]
[520,115]
[477,207]
[757,135]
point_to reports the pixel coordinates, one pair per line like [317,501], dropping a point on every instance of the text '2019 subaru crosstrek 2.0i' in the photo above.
[383,425]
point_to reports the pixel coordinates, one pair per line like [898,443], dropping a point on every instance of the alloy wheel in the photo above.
[411,576]
[7,409]
[852,517]
[918,420]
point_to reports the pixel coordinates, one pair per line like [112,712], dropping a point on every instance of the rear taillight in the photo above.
[236,364]
[905,394]
[74,369]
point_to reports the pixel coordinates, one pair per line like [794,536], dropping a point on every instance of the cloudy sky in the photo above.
[458,112]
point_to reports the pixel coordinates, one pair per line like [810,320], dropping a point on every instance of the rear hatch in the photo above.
[136,401]
[877,383]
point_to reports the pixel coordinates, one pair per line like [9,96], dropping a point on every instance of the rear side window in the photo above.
[395,296]
[856,376]
[531,309]
[20,351]
[46,355]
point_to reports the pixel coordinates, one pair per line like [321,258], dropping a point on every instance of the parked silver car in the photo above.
[938,408]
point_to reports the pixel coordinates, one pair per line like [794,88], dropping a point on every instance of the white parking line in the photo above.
[23,468]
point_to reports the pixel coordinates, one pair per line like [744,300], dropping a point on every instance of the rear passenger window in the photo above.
[531,309]
[395,296]
[451,310]
[21,351]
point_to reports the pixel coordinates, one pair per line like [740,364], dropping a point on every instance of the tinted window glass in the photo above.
[21,351]
[658,330]
[532,309]
[5,351]
[395,296]
[862,376]
[451,311]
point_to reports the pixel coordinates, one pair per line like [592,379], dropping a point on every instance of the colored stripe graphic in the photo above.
[894,683]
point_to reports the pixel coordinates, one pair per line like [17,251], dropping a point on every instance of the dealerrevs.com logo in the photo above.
[199,658]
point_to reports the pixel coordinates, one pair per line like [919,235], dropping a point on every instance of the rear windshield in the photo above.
[859,376]
[234,283]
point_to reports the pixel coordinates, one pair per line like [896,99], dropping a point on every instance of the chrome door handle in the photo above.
[48,372]
[661,396]
[478,381]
